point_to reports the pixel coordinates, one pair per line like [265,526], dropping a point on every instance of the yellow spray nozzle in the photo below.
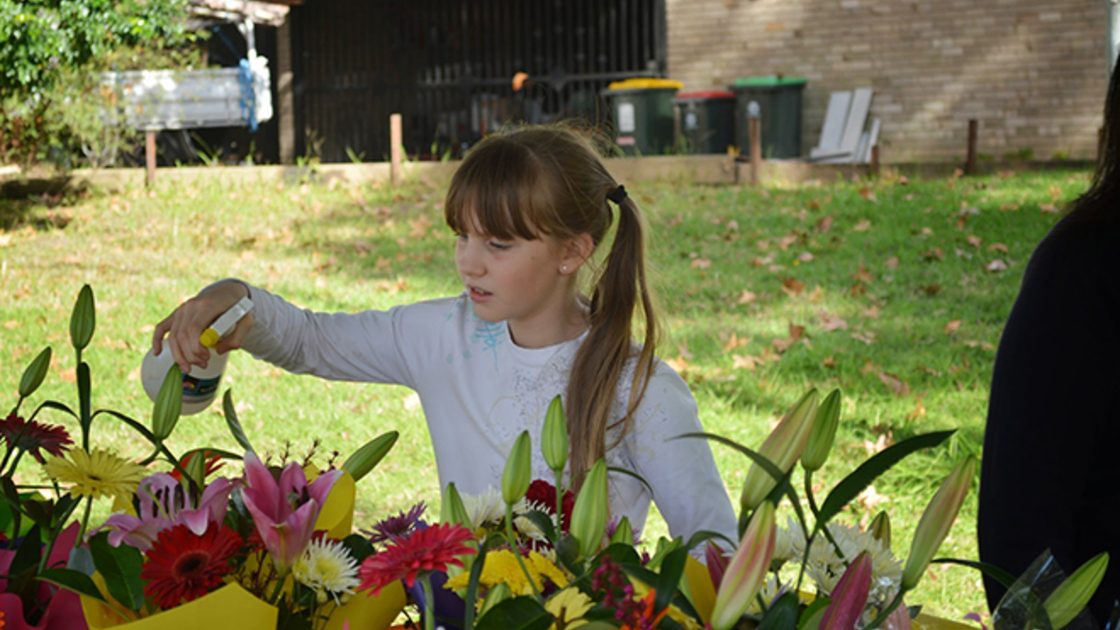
[209,338]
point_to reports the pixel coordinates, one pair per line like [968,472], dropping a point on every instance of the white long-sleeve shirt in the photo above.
[479,391]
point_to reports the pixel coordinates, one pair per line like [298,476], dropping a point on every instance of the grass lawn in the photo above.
[894,291]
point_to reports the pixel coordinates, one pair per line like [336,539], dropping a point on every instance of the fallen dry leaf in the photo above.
[996,265]
[792,286]
[1009,207]
[776,268]
[762,262]
[701,263]
[863,275]
[866,337]
[879,445]
[952,327]
[745,362]
[11,324]
[896,384]
[931,289]
[918,412]
[735,342]
[747,297]
[857,289]
[411,401]
[806,257]
[679,365]
[831,322]
[1048,208]
[872,312]
[862,226]
[829,362]
[998,247]
[867,194]
[974,240]
[932,255]
[891,263]
[824,224]
[870,499]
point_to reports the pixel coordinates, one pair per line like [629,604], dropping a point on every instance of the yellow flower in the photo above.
[502,567]
[97,474]
[568,606]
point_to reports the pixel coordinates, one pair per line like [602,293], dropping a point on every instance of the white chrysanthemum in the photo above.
[785,543]
[825,566]
[328,569]
[526,526]
[487,508]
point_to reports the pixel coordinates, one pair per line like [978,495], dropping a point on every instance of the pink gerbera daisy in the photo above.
[424,551]
[32,436]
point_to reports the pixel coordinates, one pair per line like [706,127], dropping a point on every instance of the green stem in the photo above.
[85,521]
[429,602]
[886,612]
[280,578]
[559,506]
[517,552]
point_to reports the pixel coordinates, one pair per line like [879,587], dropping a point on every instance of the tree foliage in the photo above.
[40,39]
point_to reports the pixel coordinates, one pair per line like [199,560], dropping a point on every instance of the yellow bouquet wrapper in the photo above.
[700,588]
[228,607]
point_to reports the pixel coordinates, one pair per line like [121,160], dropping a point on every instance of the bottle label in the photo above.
[199,389]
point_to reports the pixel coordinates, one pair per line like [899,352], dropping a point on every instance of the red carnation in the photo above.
[543,493]
[425,550]
[183,566]
[31,436]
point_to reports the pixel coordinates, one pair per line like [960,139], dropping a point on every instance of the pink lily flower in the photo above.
[850,596]
[285,511]
[163,503]
[716,559]
[747,570]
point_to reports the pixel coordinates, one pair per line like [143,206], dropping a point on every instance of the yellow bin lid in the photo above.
[646,84]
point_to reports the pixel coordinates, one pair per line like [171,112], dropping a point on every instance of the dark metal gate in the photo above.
[447,66]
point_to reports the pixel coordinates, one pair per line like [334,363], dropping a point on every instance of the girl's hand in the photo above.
[184,326]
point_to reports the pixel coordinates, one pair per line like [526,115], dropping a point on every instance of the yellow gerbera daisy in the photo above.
[502,567]
[95,475]
[568,607]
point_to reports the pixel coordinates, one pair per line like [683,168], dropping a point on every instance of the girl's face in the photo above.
[522,282]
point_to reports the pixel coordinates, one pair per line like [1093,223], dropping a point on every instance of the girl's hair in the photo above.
[1101,199]
[549,181]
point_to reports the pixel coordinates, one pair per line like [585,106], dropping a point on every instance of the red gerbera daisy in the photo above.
[183,566]
[543,493]
[425,550]
[213,464]
[31,436]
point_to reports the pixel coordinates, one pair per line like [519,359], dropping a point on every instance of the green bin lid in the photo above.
[768,81]
[645,84]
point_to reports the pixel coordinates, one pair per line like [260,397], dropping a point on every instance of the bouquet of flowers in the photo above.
[519,562]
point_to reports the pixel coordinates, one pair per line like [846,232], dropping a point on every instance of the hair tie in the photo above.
[617,195]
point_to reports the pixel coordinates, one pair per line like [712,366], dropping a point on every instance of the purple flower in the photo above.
[395,527]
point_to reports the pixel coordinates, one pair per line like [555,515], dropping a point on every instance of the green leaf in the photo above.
[169,403]
[35,373]
[120,566]
[813,614]
[72,580]
[672,567]
[849,487]
[235,425]
[519,613]
[29,552]
[82,319]
[366,458]
[990,570]
[755,456]
[782,615]
[84,404]
[543,522]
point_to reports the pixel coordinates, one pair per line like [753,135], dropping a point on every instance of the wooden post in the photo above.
[150,157]
[970,159]
[395,148]
[873,168]
[756,148]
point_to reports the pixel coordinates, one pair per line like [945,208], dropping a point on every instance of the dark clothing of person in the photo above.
[1050,476]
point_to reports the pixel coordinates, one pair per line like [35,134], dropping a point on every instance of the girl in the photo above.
[530,207]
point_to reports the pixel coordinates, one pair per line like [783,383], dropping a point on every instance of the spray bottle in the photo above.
[200,386]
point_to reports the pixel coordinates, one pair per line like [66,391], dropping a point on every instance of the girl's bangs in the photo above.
[494,197]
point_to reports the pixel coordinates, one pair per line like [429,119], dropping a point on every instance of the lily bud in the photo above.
[747,569]
[783,447]
[35,373]
[452,510]
[825,420]
[370,455]
[589,515]
[850,595]
[880,529]
[936,521]
[554,437]
[519,470]
[624,533]
[1075,591]
[169,404]
[82,319]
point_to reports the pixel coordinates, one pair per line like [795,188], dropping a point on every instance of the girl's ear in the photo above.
[576,252]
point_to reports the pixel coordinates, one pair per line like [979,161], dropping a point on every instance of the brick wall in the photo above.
[1032,72]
